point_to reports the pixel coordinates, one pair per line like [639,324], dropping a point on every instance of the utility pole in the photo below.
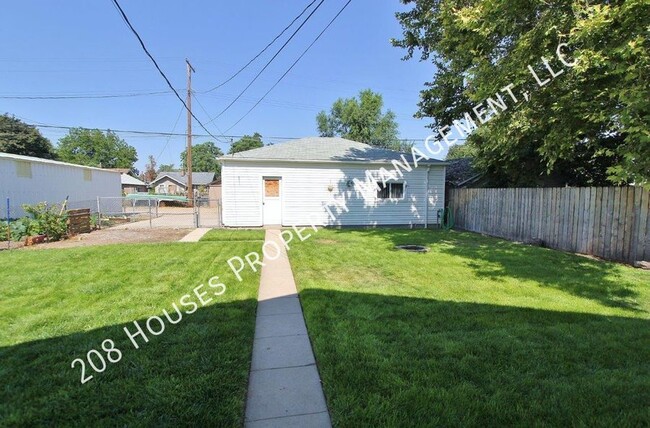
[188,156]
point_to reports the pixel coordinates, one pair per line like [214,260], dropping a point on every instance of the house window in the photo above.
[271,188]
[88,175]
[390,191]
[24,169]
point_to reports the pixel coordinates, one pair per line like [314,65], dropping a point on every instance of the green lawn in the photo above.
[478,331]
[59,304]
[216,235]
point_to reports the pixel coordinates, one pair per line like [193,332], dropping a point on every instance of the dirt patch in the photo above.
[116,236]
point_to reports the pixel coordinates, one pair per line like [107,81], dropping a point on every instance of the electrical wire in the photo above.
[80,97]
[170,136]
[292,65]
[262,51]
[144,47]
[269,62]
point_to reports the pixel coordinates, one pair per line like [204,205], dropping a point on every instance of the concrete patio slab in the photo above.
[282,352]
[280,305]
[285,392]
[312,420]
[284,387]
[195,235]
[280,325]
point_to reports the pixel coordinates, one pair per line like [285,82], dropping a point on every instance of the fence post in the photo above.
[8,226]
[150,224]
[99,215]
[196,213]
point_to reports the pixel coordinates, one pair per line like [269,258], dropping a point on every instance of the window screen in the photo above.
[390,191]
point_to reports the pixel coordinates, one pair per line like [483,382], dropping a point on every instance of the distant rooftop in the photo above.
[131,181]
[323,149]
[198,178]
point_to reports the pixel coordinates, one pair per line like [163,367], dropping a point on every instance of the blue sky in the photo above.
[83,47]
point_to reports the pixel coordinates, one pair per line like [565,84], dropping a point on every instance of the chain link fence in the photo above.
[133,212]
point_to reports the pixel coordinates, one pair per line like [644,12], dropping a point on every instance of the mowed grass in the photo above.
[477,332]
[59,304]
[220,235]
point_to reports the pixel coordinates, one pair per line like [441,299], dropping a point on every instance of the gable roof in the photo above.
[52,162]
[198,178]
[323,149]
[131,181]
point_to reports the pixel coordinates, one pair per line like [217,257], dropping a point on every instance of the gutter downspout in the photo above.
[426,200]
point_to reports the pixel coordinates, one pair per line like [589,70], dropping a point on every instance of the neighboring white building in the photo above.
[294,183]
[130,184]
[30,180]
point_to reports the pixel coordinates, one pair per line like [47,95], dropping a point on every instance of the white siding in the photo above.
[305,193]
[29,181]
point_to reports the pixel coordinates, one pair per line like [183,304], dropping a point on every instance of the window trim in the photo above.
[390,184]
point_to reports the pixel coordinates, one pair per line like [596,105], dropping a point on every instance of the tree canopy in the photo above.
[18,138]
[459,151]
[360,119]
[247,142]
[164,167]
[204,158]
[93,147]
[590,124]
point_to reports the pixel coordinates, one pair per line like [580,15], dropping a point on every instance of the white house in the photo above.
[30,180]
[330,181]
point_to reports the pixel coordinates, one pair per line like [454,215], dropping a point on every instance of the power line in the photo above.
[170,137]
[205,111]
[151,133]
[292,65]
[269,62]
[128,23]
[78,97]
[263,50]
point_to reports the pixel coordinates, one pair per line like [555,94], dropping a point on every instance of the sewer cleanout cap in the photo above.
[413,248]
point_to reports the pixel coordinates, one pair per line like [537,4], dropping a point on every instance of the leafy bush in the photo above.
[3,230]
[22,227]
[47,221]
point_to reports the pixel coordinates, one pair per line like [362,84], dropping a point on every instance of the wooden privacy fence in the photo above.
[608,222]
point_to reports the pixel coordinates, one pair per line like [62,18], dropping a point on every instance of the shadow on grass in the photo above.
[394,361]
[194,373]
[497,259]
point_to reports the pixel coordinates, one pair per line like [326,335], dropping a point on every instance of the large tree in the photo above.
[93,147]
[247,142]
[591,124]
[204,158]
[460,151]
[18,138]
[360,119]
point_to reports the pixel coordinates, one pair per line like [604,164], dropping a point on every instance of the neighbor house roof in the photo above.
[49,161]
[460,172]
[198,178]
[323,149]
[131,181]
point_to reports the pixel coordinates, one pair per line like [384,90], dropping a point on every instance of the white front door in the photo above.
[272,201]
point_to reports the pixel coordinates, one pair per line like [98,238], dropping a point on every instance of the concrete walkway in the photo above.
[284,388]
[195,235]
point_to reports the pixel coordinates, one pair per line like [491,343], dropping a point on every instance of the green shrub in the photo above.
[47,221]
[3,230]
